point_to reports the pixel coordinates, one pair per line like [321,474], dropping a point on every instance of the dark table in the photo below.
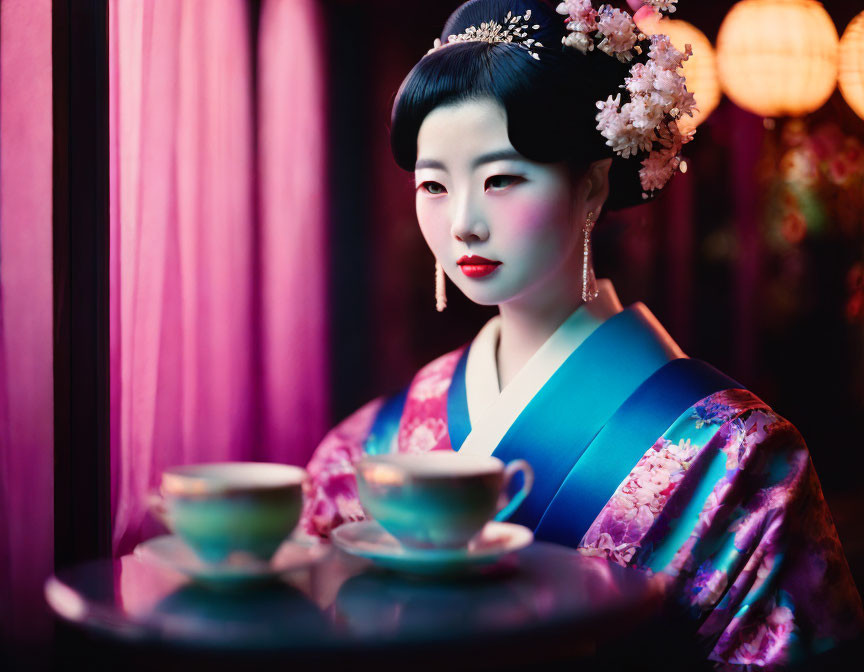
[544,604]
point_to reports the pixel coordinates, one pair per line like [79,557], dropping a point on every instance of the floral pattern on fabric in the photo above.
[618,530]
[761,569]
[631,511]
[424,419]
[330,493]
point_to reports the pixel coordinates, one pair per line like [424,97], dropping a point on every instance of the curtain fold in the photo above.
[26,322]
[217,302]
[294,249]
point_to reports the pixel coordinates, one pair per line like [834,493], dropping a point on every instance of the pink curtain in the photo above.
[218,310]
[294,245]
[26,323]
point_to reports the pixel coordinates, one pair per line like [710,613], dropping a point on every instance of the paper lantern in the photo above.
[700,70]
[778,57]
[851,75]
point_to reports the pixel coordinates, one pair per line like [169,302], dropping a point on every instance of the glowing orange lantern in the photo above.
[778,57]
[700,70]
[851,76]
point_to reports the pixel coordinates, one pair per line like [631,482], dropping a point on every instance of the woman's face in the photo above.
[477,196]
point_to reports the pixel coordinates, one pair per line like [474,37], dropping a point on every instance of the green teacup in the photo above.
[219,508]
[438,499]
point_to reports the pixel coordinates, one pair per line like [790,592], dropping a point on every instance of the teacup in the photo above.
[219,508]
[438,499]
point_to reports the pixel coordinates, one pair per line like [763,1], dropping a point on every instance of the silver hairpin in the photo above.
[515,29]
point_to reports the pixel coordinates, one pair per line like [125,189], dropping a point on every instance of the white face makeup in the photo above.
[509,209]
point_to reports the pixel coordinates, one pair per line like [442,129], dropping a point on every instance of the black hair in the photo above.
[550,103]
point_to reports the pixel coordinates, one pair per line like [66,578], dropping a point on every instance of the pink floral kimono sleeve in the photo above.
[330,493]
[740,524]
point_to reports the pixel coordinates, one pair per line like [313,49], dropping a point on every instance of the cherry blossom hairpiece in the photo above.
[658,95]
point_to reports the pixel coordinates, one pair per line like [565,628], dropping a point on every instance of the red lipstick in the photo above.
[477,267]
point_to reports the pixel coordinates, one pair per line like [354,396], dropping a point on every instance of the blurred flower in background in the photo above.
[814,185]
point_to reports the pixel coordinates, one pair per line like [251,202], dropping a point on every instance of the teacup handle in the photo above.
[506,509]
[156,505]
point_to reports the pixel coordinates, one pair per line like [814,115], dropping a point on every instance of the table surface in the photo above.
[345,602]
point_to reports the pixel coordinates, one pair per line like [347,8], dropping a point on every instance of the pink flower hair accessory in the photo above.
[658,93]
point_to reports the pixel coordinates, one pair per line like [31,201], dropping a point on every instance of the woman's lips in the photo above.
[477,267]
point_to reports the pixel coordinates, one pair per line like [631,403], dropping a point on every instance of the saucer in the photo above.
[367,539]
[239,568]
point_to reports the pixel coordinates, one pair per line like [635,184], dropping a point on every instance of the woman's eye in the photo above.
[433,188]
[502,181]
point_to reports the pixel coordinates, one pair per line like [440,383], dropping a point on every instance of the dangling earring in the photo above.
[440,288]
[589,282]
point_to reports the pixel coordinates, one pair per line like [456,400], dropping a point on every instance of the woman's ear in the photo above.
[597,185]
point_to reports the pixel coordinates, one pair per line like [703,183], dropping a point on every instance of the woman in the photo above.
[642,454]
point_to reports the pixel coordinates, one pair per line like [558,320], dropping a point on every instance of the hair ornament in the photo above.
[515,29]
[658,94]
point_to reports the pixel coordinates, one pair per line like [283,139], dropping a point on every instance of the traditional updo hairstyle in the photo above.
[550,102]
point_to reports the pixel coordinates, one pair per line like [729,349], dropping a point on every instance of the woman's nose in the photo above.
[468,221]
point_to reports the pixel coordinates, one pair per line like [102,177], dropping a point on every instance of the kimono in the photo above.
[641,454]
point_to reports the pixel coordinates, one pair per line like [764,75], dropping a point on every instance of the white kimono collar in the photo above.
[492,412]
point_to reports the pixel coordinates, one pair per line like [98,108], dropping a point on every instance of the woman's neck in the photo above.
[525,326]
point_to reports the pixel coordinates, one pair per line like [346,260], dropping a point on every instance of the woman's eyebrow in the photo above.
[498,155]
